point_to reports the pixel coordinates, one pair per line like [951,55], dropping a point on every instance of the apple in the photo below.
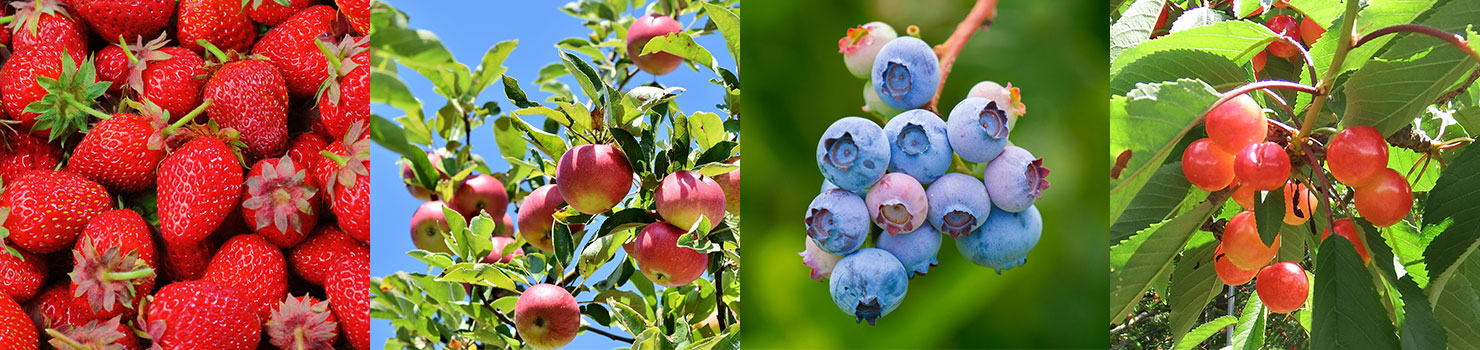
[660,258]
[429,228]
[480,193]
[730,183]
[537,216]
[547,316]
[646,28]
[593,178]
[496,256]
[505,225]
[685,196]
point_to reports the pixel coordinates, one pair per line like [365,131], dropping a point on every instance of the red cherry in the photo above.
[1206,166]
[1310,31]
[1236,123]
[1242,244]
[1283,287]
[1299,203]
[1258,61]
[1345,228]
[1356,154]
[1243,195]
[1229,274]
[1385,200]
[1285,26]
[1262,166]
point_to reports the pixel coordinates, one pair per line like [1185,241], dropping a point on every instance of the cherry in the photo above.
[1206,166]
[1283,287]
[1229,274]
[1385,200]
[1258,61]
[1262,166]
[1310,31]
[1285,26]
[1236,123]
[1243,195]
[1242,244]
[1299,203]
[1345,228]
[1355,155]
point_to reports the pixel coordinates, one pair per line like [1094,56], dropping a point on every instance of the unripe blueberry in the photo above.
[1262,166]
[1236,123]
[978,129]
[1227,272]
[916,250]
[820,261]
[862,44]
[644,29]
[1283,287]
[660,258]
[1385,200]
[897,203]
[1242,244]
[906,73]
[547,316]
[429,228]
[838,221]
[537,216]
[1008,98]
[918,145]
[1015,179]
[868,284]
[958,204]
[872,103]
[593,178]
[1004,240]
[853,153]
[1345,228]
[685,196]
[1355,155]
[1208,167]
[480,193]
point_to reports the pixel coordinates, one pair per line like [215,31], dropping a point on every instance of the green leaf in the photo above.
[1420,329]
[510,140]
[625,219]
[1453,198]
[1166,66]
[480,274]
[578,114]
[729,26]
[550,144]
[546,112]
[1162,195]
[1194,284]
[707,129]
[1134,25]
[1348,310]
[491,68]
[1269,215]
[1197,17]
[599,251]
[386,88]
[682,45]
[1204,331]
[713,169]
[1148,123]
[1387,94]
[1153,259]
[1459,306]
[584,74]
[516,94]
[1249,334]
[1238,41]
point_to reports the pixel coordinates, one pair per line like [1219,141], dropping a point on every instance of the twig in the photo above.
[719,292]
[1451,38]
[1459,90]
[980,17]
[1143,315]
[611,335]
[1344,45]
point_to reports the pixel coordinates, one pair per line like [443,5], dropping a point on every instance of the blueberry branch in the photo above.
[980,17]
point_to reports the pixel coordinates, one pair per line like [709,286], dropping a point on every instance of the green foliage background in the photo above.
[1055,51]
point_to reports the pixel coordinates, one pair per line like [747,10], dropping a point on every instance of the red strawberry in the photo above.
[48,209]
[130,19]
[305,149]
[201,315]
[173,81]
[113,67]
[122,152]
[302,323]
[25,152]
[55,308]
[292,49]
[326,251]
[187,261]
[250,97]
[326,168]
[115,262]
[358,13]
[254,267]
[272,13]
[21,276]
[223,23]
[110,334]
[5,31]
[199,185]
[345,100]
[16,330]
[349,296]
[350,186]
[18,79]
[279,204]
[44,23]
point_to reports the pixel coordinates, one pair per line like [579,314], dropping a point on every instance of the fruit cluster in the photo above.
[900,178]
[128,221]
[1306,31]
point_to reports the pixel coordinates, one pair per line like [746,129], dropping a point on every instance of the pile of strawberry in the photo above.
[186,174]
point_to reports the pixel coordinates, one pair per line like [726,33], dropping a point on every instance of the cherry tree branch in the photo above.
[1453,39]
[980,17]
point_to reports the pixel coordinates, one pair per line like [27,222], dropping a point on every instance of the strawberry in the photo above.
[46,22]
[291,48]
[26,152]
[305,149]
[349,296]
[279,204]
[327,167]
[302,323]
[21,275]
[130,19]
[253,267]
[113,66]
[275,12]
[345,99]
[326,251]
[56,308]
[115,262]
[173,81]
[5,31]
[358,14]
[223,23]
[109,334]
[349,185]
[187,261]
[45,210]
[122,152]
[16,330]
[199,185]
[19,79]
[250,97]
[201,315]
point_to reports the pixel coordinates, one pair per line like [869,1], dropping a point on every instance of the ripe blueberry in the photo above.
[838,221]
[918,145]
[978,129]
[868,284]
[958,204]
[1004,240]
[853,153]
[897,203]
[906,73]
[916,250]
[1015,179]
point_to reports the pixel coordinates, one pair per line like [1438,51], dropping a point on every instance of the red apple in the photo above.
[429,228]
[547,316]
[730,183]
[505,225]
[409,177]
[536,216]
[593,178]
[480,193]
[496,256]
[685,196]
[646,28]
[660,258]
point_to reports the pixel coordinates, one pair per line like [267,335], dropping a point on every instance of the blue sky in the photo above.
[469,28]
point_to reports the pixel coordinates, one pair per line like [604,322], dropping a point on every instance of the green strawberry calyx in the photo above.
[105,278]
[69,99]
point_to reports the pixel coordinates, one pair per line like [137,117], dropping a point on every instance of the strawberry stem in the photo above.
[329,54]
[335,157]
[188,116]
[212,49]
[58,336]
[126,51]
[129,275]
[84,107]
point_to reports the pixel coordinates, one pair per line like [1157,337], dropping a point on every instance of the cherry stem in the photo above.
[1258,85]
[1453,39]
[980,17]
[1283,105]
[1325,187]
[1310,65]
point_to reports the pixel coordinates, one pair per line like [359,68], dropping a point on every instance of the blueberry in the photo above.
[958,204]
[906,73]
[1008,98]
[1015,179]
[828,185]
[916,250]
[862,44]
[868,284]
[1004,240]
[821,262]
[853,153]
[872,103]
[918,145]
[978,129]
[838,221]
[897,203]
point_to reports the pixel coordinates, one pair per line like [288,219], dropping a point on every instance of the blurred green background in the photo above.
[797,85]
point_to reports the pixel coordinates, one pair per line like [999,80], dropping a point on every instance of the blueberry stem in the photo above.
[981,16]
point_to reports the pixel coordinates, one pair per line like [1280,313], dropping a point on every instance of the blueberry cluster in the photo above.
[895,183]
